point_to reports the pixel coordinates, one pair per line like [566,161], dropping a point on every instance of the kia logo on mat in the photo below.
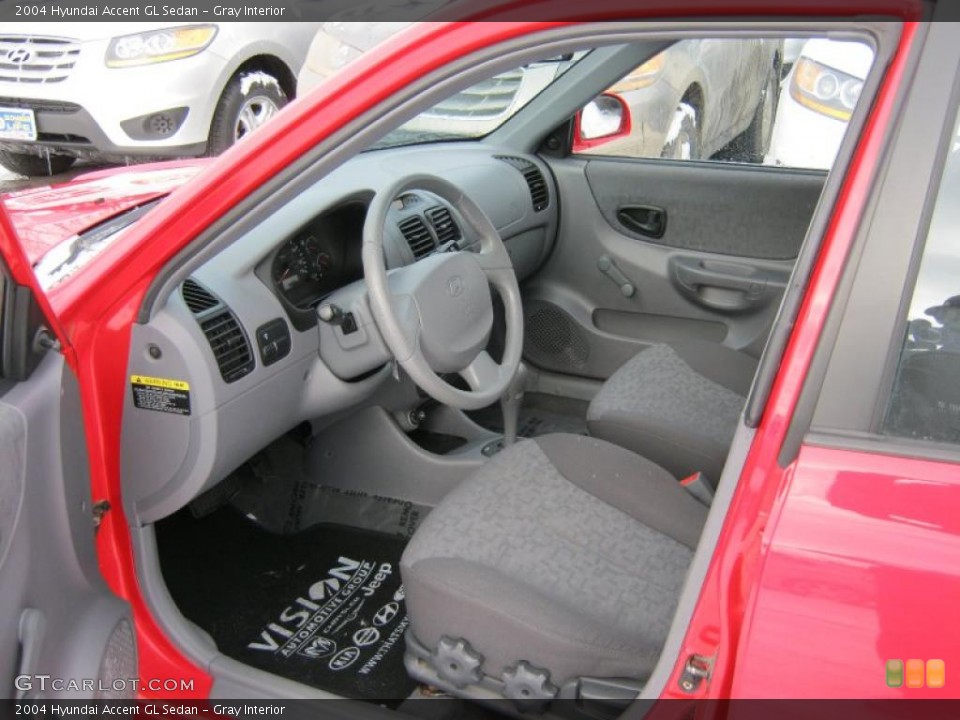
[18,56]
[344,659]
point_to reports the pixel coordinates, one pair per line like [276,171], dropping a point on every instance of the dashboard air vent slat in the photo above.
[539,193]
[197,297]
[443,224]
[229,344]
[418,236]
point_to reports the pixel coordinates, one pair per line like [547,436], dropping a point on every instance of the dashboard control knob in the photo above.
[330,314]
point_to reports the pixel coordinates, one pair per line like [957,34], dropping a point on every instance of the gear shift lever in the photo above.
[510,404]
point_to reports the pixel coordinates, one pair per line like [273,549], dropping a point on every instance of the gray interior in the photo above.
[697,305]
[59,619]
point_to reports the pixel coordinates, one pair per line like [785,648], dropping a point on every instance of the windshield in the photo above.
[482,108]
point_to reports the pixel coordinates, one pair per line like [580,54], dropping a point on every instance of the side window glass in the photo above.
[761,101]
[925,403]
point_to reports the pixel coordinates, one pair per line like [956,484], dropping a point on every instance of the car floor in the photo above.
[296,579]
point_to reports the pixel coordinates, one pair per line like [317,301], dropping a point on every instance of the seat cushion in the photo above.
[677,406]
[566,552]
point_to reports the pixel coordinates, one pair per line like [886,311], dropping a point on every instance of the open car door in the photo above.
[63,633]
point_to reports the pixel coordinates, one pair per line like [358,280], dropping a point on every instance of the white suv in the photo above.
[117,91]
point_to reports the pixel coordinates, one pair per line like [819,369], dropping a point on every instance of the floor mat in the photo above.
[323,606]
[540,415]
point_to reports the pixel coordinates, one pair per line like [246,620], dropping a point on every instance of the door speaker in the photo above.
[553,339]
[118,663]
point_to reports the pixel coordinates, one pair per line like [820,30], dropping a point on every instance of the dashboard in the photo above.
[320,257]
[240,326]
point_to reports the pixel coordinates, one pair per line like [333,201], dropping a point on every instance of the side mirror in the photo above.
[603,119]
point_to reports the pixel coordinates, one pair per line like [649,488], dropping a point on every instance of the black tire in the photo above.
[35,165]
[685,143]
[255,92]
[755,140]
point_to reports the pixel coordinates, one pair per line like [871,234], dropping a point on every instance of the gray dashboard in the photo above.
[191,417]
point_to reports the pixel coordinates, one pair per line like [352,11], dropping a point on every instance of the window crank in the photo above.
[609,268]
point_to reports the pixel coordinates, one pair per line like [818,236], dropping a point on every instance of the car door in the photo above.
[860,575]
[63,633]
[652,250]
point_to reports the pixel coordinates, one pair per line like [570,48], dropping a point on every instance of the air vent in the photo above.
[417,235]
[443,224]
[197,297]
[539,193]
[229,344]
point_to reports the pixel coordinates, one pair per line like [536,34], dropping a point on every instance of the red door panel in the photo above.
[862,566]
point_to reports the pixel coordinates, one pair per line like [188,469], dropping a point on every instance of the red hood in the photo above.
[46,216]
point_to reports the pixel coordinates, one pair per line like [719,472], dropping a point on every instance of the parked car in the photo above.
[118,91]
[698,97]
[258,436]
[822,89]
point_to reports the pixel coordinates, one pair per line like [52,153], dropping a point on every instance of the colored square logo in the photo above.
[915,673]
[936,673]
[894,673]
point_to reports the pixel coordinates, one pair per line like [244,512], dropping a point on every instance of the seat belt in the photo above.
[698,486]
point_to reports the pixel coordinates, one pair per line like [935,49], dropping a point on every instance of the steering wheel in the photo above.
[436,315]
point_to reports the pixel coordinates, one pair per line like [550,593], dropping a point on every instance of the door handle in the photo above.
[643,219]
[725,286]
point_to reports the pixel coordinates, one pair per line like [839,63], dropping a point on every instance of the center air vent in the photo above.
[228,341]
[539,193]
[443,224]
[417,235]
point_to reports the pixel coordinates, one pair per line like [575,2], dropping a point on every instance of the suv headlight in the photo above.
[825,90]
[159,45]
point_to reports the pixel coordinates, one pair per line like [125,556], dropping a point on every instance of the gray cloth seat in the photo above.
[676,405]
[562,557]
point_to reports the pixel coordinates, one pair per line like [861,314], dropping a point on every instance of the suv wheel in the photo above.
[35,165]
[683,137]
[249,100]
[756,138]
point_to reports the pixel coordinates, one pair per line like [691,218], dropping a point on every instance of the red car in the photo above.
[250,433]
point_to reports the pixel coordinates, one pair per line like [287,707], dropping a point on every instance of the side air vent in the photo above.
[197,297]
[539,193]
[443,224]
[229,344]
[417,235]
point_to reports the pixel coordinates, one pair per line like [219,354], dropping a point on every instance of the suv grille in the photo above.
[488,99]
[33,59]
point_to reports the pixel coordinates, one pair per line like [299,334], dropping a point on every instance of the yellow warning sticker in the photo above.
[160,382]
[161,394]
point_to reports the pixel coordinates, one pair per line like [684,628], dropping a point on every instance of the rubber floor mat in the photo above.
[323,606]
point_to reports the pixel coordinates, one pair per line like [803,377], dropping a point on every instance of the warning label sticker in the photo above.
[161,394]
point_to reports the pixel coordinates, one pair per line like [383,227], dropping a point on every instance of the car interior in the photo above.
[448,419]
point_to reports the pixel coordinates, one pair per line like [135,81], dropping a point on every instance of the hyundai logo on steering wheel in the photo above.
[455,286]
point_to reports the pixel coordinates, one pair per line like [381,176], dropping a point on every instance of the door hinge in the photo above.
[100,509]
[695,671]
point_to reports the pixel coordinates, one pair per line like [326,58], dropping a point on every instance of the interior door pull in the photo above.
[643,219]
[609,268]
